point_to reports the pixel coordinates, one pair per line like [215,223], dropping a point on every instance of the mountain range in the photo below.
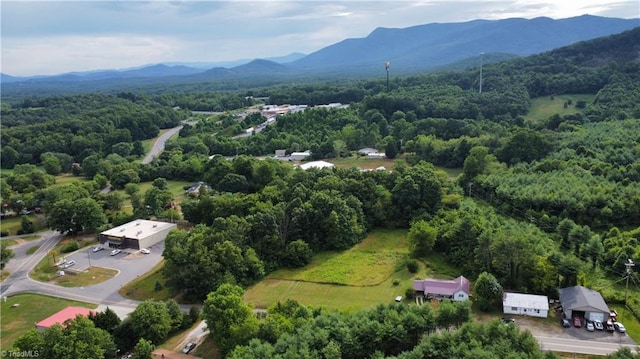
[409,50]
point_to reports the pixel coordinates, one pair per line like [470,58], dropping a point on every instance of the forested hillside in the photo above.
[540,202]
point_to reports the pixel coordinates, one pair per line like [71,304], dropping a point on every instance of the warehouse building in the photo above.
[137,234]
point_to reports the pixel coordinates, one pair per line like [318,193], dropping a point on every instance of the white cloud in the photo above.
[50,37]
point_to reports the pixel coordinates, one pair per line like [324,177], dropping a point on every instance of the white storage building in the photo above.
[525,304]
[138,234]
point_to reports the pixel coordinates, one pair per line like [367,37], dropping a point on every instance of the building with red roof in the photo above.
[62,316]
[456,289]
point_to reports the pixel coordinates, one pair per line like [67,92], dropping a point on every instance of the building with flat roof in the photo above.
[62,316]
[138,234]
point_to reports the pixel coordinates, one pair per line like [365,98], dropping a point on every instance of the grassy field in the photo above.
[544,107]
[93,275]
[67,178]
[14,223]
[32,308]
[143,288]
[175,187]
[368,263]
[363,284]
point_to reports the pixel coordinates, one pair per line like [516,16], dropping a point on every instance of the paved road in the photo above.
[106,293]
[158,146]
[20,266]
[581,346]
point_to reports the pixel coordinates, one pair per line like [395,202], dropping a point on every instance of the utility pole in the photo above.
[481,54]
[387,65]
[629,264]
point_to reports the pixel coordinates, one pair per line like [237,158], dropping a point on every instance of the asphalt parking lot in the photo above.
[543,328]
[129,260]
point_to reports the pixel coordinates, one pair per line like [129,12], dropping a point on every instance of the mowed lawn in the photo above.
[544,107]
[29,309]
[371,273]
[368,263]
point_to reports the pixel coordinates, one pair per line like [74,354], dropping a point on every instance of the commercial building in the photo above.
[137,234]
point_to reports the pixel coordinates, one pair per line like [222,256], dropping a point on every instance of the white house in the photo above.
[454,289]
[299,156]
[525,304]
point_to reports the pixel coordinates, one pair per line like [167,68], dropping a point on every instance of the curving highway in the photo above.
[158,146]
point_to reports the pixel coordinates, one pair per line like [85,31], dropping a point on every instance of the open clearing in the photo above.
[544,107]
[29,309]
[363,283]
[371,262]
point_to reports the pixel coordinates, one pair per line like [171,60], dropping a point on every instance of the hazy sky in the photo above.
[51,37]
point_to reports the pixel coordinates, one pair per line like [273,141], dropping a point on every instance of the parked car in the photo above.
[610,326]
[98,248]
[508,320]
[590,327]
[69,263]
[598,325]
[577,322]
[145,251]
[189,347]
[619,327]
[566,323]
[115,252]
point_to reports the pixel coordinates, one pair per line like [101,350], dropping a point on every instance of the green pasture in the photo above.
[368,263]
[544,107]
[20,312]
[67,178]
[371,273]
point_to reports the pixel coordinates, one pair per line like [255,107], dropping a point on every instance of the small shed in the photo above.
[525,304]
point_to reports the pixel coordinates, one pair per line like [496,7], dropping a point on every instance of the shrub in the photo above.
[70,247]
[396,282]
[412,266]
[4,233]
[158,286]
[409,293]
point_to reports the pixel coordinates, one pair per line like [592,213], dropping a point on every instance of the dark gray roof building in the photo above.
[578,300]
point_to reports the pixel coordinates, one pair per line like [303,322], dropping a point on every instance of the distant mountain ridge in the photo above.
[414,49]
[438,44]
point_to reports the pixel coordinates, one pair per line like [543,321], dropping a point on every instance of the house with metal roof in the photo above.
[525,304]
[583,302]
[455,289]
[68,313]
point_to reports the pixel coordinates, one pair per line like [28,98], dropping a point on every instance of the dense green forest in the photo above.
[541,203]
